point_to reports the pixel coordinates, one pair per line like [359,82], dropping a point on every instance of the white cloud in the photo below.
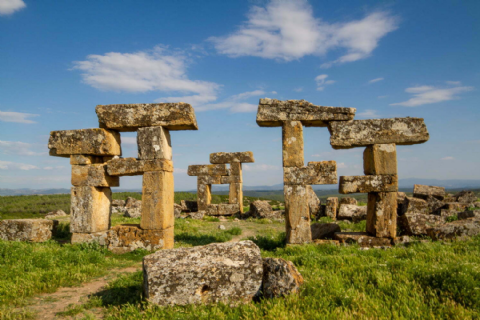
[259,167]
[180,170]
[19,148]
[234,103]
[7,165]
[428,94]
[273,92]
[448,158]
[52,168]
[18,117]
[10,6]
[299,89]
[368,114]
[287,30]
[322,81]
[143,71]
[341,165]
[129,140]
[375,80]
[246,95]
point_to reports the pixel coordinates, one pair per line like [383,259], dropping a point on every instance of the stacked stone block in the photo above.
[96,166]
[218,173]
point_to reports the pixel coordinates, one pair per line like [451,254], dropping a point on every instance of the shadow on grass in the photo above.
[199,239]
[270,243]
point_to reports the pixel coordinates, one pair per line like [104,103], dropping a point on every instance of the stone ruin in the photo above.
[379,136]
[218,173]
[96,167]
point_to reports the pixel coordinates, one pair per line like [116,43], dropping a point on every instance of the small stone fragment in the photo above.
[31,230]
[280,278]
[222,227]
[366,184]
[154,143]
[231,157]
[323,172]
[99,142]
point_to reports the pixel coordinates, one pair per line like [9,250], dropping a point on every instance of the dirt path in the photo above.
[48,305]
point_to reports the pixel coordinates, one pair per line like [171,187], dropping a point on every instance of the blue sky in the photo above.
[59,59]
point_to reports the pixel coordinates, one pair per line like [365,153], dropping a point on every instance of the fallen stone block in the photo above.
[468,197]
[118,203]
[223,209]
[416,224]
[314,203]
[367,184]
[55,214]
[348,200]
[280,278]
[457,206]
[129,237]
[30,230]
[231,157]
[331,207]
[422,192]
[100,237]
[455,230]
[380,159]
[90,209]
[323,172]
[99,142]
[211,210]
[469,214]
[363,239]
[297,214]
[157,200]
[135,167]
[272,113]
[434,205]
[362,133]
[415,206]
[326,242]
[196,215]
[229,273]
[207,169]
[382,214]
[154,143]
[447,213]
[352,212]
[130,117]
[93,175]
[261,209]
[292,144]
[324,230]
[83,159]
[133,212]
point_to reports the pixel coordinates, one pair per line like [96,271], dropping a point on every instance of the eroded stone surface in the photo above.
[415,206]
[127,238]
[382,214]
[314,202]
[135,167]
[222,209]
[455,230]
[292,144]
[331,207]
[231,157]
[380,159]
[261,209]
[469,214]
[228,273]
[365,184]
[363,239]
[207,169]
[90,209]
[297,214]
[99,237]
[31,230]
[352,212]
[154,143]
[95,141]
[324,230]
[362,133]
[280,278]
[422,191]
[468,197]
[416,224]
[204,195]
[83,159]
[130,117]
[322,172]
[93,175]
[157,200]
[348,200]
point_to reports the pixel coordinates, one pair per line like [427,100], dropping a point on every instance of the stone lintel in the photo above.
[231,157]
[135,167]
[207,169]
[366,184]
[322,172]
[93,175]
[96,141]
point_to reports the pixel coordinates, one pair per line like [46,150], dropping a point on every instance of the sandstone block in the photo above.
[416,224]
[31,230]
[230,179]
[154,143]
[363,239]
[157,200]
[468,197]
[434,205]
[322,172]
[422,192]
[380,159]
[228,209]
[99,142]
[469,214]
[366,184]
[457,206]
[261,209]
[455,230]
[352,212]
[204,195]
[231,157]
[210,180]
[207,169]
[447,213]
[130,117]
[272,113]
[83,159]
[324,230]
[93,175]
[292,144]
[415,206]
[382,214]
[236,169]
[129,237]
[314,203]
[235,195]
[348,200]
[297,214]
[211,210]
[331,207]
[228,273]
[280,278]
[100,237]
[55,214]
[135,167]
[362,133]
[90,209]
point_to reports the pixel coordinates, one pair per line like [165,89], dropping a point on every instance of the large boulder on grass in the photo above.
[324,230]
[352,212]
[261,209]
[416,224]
[228,273]
[456,230]
[31,230]
[280,278]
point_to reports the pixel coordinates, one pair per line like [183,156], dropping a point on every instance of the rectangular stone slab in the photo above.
[210,180]
[230,179]
[292,144]
[365,184]
[204,195]
[422,191]
[82,159]
[157,200]
[93,175]
[129,237]
[231,157]
[207,169]
[297,214]
[380,159]
[362,133]
[99,142]
[382,214]
[90,209]
[322,172]
[154,143]
[363,239]
[272,113]
[130,117]
[31,230]
[222,209]
[135,167]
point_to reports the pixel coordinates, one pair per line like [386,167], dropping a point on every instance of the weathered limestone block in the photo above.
[93,175]
[366,184]
[362,133]
[204,195]
[31,230]
[447,213]
[352,212]
[331,207]
[468,197]
[322,172]
[228,273]
[157,200]
[292,144]
[382,214]
[83,159]
[90,209]
[416,224]
[434,205]
[129,237]
[130,117]
[422,192]
[457,206]
[414,205]
[100,237]
[231,157]
[235,195]
[455,230]
[99,142]
[211,210]
[363,239]
[236,169]
[401,196]
[154,143]
[348,200]
[314,203]
[469,214]
[297,214]
[230,179]
[210,180]
[261,209]
[228,209]
[272,113]
[135,167]
[324,230]
[55,214]
[280,278]
[207,169]
[380,159]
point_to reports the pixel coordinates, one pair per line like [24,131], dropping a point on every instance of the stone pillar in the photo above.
[331,208]
[235,195]
[157,200]
[90,209]
[204,196]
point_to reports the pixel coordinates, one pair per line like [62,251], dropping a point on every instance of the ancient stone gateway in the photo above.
[96,167]
[218,173]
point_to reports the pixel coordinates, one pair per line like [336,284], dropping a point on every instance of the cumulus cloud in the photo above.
[375,80]
[18,117]
[287,30]
[18,148]
[7,165]
[322,81]
[429,94]
[129,140]
[8,7]
[143,71]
